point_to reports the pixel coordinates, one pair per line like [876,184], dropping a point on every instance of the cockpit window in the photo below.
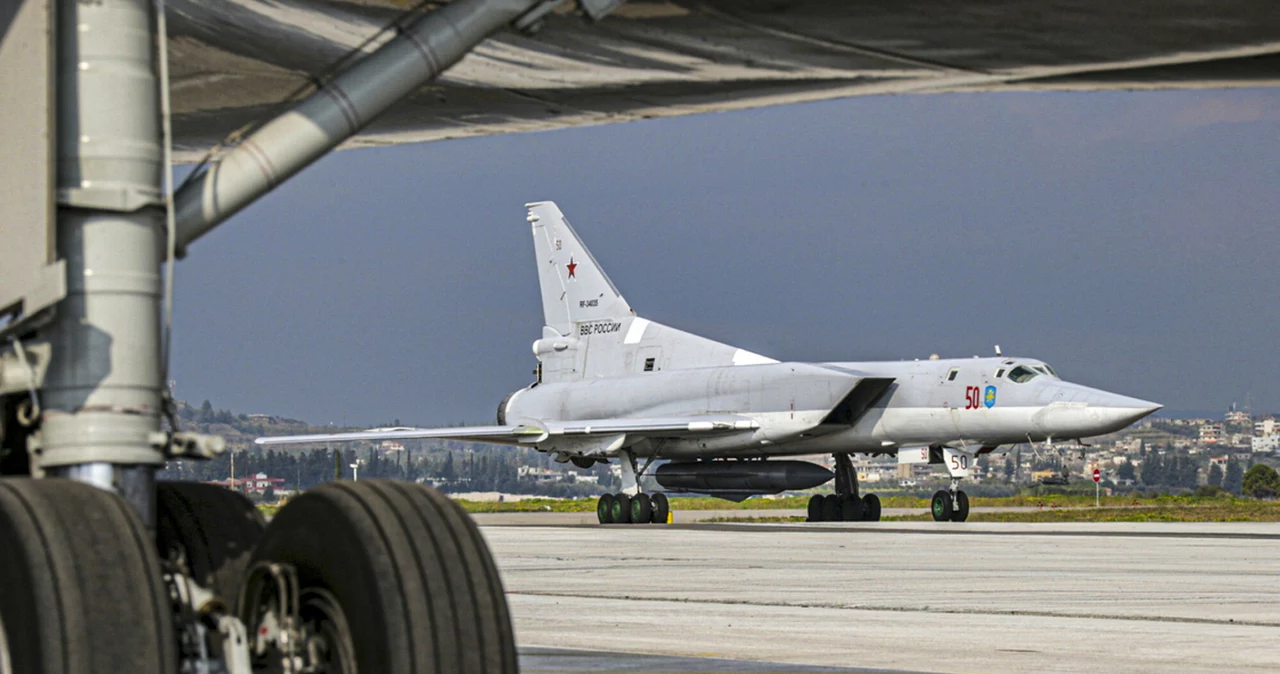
[999,373]
[1051,370]
[1021,374]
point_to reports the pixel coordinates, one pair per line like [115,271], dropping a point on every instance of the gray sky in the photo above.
[1130,239]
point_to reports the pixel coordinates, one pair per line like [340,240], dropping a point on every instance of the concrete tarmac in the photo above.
[893,596]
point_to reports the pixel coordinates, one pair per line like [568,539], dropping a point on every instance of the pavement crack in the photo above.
[909,609]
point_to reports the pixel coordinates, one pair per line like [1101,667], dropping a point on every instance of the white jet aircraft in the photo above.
[612,385]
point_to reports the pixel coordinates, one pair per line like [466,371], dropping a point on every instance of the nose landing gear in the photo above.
[950,504]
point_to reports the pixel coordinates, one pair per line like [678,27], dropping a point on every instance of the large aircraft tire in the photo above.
[212,530]
[871,508]
[850,509]
[604,509]
[661,508]
[395,576]
[621,509]
[961,511]
[81,590]
[641,509]
[941,506]
[830,508]
[815,508]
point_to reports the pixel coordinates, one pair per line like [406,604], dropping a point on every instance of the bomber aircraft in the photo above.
[612,385]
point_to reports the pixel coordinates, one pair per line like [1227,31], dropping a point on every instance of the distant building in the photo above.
[1266,444]
[1266,427]
[256,485]
[1210,434]
[1129,446]
[1237,417]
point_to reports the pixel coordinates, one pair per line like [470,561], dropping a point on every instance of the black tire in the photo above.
[850,509]
[412,581]
[830,508]
[870,508]
[604,509]
[961,511]
[941,506]
[641,509]
[621,509]
[815,508]
[81,590]
[212,530]
[661,508]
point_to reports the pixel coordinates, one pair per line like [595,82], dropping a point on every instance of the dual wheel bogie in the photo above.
[949,506]
[844,508]
[637,509]
[381,576]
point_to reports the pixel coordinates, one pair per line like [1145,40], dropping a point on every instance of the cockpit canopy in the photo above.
[1025,372]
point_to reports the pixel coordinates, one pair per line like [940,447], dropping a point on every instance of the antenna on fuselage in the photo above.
[998,353]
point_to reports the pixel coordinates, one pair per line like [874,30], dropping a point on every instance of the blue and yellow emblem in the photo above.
[989,398]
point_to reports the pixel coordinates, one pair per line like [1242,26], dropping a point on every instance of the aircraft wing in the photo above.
[534,432]
[232,60]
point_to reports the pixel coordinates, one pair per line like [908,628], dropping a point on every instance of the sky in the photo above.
[1129,239]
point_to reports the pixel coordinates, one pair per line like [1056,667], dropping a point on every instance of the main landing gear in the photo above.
[637,509]
[845,505]
[950,504]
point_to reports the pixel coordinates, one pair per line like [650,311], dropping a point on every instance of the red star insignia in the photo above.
[571,266]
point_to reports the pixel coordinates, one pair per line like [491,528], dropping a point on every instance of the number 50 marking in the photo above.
[959,462]
[972,397]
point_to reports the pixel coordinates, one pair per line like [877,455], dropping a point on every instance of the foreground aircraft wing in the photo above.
[235,58]
[534,432]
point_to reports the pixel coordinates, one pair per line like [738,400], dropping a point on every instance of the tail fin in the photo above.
[590,330]
[574,287]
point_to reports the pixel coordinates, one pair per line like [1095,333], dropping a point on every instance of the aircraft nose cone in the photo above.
[1074,411]
[1115,411]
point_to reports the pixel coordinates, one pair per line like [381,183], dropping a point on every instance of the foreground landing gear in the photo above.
[399,580]
[638,509]
[845,505]
[81,589]
[950,505]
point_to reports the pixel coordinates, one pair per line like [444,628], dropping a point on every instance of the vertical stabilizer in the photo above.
[574,287]
[590,330]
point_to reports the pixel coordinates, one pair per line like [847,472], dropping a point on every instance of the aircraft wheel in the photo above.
[871,508]
[81,590]
[961,511]
[604,509]
[211,531]
[621,509]
[661,508]
[941,506]
[850,509]
[641,509]
[392,577]
[815,508]
[830,508]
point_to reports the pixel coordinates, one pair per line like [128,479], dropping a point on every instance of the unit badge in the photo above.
[989,398]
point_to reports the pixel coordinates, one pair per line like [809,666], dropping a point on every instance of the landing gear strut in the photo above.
[845,505]
[950,504]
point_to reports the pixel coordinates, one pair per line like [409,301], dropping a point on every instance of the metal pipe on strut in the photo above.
[337,111]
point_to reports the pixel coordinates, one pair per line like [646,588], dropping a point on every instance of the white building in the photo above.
[1265,427]
[1266,443]
[1210,434]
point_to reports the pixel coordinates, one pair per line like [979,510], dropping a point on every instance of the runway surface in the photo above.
[921,597]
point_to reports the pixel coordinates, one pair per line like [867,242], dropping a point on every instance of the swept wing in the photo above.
[535,431]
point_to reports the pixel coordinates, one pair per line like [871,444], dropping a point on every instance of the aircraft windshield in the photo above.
[1021,374]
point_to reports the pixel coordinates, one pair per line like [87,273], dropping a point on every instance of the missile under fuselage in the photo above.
[759,477]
